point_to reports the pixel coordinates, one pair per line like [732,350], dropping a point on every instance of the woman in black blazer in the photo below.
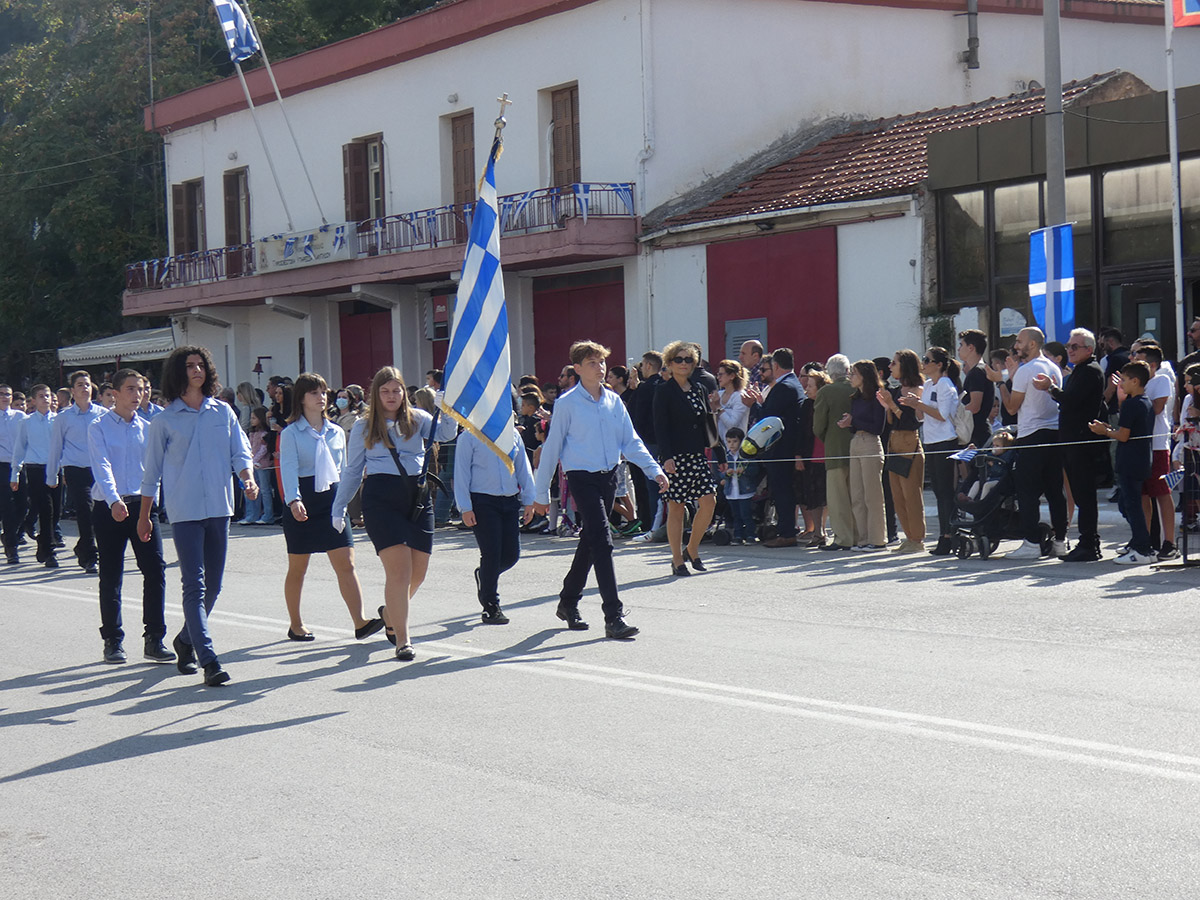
[680,410]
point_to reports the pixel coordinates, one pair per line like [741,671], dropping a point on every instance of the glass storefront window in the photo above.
[964,264]
[1137,214]
[1017,213]
[1079,212]
[1016,312]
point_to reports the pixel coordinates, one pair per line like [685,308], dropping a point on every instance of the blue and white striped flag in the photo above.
[1052,280]
[478,379]
[238,34]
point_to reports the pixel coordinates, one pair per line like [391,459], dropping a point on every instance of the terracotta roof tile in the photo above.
[883,158]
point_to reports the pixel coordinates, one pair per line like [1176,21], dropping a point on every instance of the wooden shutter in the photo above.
[564,106]
[179,220]
[354,170]
[233,209]
[195,194]
[462,140]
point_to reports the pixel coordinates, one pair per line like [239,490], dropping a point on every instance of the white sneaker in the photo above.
[1027,550]
[1059,548]
[1133,558]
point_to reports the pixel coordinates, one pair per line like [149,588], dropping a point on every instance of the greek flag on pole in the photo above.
[1052,280]
[478,388]
[238,33]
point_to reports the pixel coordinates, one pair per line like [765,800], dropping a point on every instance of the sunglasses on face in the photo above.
[681,360]
[1076,346]
[926,360]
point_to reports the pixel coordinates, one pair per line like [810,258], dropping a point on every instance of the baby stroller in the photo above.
[986,505]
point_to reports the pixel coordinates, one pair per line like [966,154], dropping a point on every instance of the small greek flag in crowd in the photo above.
[1052,280]
[478,390]
[238,34]
[1172,479]
[965,455]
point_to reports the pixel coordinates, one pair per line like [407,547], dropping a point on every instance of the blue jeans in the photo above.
[200,546]
[741,516]
[256,510]
[1130,502]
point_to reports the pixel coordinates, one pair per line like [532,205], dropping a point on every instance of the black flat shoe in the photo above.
[571,617]
[372,626]
[292,636]
[388,632]
[680,570]
[695,561]
[406,653]
[185,657]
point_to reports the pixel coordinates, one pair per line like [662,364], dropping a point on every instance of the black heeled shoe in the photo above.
[695,561]
[679,571]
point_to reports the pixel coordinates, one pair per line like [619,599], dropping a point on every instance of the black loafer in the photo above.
[406,653]
[309,636]
[372,626]
[185,657]
[214,675]
[571,616]
[620,630]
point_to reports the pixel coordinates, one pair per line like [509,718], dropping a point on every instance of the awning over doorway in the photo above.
[133,346]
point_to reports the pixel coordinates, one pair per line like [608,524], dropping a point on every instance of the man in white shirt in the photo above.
[1161,393]
[12,504]
[1039,469]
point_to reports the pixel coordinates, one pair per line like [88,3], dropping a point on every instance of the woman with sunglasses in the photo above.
[935,408]
[680,412]
[729,401]
[904,448]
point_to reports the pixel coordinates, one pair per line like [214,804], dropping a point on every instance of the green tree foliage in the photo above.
[81,189]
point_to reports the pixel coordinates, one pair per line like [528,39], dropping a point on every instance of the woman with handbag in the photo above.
[388,448]
[685,428]
[312,450]
[905,463]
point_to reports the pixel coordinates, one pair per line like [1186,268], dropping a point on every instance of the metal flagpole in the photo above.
[279,97]
[1056,164]
[266,149]
[1176,218]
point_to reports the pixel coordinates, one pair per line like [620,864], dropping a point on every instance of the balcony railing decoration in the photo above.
[544,209]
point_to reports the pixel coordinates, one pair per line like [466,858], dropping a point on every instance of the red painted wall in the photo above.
[561,317]
[366,341]
[789,278]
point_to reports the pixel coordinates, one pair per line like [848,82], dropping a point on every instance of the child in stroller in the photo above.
[986,500]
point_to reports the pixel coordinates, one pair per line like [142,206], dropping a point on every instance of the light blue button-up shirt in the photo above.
[10,424]
[590,435]
[194,452]
[298,454]
[117,449]
[151,410]
[69,439]
[478,470]
[33,441]
[362,460]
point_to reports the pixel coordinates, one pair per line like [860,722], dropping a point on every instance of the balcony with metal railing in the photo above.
[540,211]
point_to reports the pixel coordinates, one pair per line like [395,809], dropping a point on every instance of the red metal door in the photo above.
[366,340]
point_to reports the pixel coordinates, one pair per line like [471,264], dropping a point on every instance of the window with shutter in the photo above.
[187,217]
[462,160]
[564,107]
[354,170]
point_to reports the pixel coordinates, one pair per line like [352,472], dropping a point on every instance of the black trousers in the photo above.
[648,510]
[111,538]
[41,505]
[497,523]
[1039,470]
[593,493]
[78,482]
[1084,464]
[942,472]
[12,507]
[781,485]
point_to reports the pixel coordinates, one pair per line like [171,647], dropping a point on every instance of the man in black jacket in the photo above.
[1080,400]
[642,413]
[783,401]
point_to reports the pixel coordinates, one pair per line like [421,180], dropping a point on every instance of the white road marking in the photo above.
[979,734]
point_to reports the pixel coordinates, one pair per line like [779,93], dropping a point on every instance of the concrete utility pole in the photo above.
[1056,159]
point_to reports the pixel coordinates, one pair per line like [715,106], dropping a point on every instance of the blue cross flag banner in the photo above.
[238,33]
[478,372]
[1052,280]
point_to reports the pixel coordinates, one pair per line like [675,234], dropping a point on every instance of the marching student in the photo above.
[12,503]
[30,455]
[192,447]
[493,502]
[312,451]
[590,432]
[69,453]
[385,455]
[117,446]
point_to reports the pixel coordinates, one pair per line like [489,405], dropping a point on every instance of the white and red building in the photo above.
[628,117]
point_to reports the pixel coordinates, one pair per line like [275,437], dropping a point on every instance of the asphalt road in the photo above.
[792,724]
